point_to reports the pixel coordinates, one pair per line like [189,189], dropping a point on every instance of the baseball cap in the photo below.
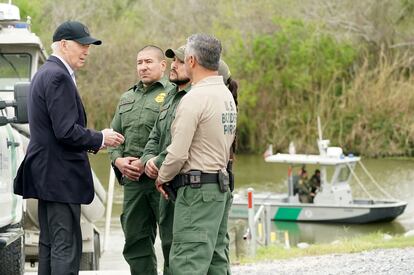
[224,71]
[179,53]
[74,30]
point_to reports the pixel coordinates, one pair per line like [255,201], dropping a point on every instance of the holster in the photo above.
[171,192]
[231,175]
[224,180]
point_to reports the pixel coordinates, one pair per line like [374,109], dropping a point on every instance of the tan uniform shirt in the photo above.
[203,130]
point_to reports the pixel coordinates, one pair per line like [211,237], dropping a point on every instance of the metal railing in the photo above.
[259,226]
[109,202]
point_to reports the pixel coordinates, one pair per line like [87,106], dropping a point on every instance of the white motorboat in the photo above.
[333,202]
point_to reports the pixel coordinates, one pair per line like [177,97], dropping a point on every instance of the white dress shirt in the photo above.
[70,70]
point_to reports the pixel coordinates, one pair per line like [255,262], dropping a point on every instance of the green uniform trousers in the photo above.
[200,240]
[166,229]
[139,223]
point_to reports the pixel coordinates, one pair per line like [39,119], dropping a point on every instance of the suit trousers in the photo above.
[60,241]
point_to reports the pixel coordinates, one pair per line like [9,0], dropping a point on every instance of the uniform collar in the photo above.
[187,88]
[215,79]
[163,81]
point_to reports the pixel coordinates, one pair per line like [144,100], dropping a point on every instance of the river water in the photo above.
[394,175]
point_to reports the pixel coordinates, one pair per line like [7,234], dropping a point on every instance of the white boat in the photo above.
[333,202]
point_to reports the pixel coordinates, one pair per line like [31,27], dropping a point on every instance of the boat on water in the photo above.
[333,202]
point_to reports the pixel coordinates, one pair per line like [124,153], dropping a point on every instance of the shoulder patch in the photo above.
[160,97]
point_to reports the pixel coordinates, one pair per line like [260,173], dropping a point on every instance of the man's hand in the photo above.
[127,169]
[112,138]
[151,169]
[160,188]
[138,165]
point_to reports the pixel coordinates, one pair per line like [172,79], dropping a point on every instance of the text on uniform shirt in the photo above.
[229,118]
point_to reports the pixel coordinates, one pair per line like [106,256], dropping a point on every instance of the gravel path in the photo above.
[380,261]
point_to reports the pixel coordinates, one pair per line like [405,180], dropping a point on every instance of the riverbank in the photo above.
[368,242]
[372,254]
[378,262]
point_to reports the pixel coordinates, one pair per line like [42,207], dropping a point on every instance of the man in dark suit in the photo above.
[56,169]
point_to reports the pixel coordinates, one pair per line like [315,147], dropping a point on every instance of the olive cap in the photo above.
[179,53]
[224,71]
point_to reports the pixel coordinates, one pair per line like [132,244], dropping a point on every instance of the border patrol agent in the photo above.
[304,188]
[160,137]
[202,135]
[233,86]
[135,116]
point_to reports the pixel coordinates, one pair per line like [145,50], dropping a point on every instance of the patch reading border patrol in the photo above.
[160,97]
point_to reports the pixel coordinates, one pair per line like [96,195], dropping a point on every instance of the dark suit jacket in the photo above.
[56,166]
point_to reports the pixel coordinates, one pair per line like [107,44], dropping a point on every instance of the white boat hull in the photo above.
[360,211]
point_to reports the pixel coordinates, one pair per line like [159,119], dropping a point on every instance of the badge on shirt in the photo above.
[160,97]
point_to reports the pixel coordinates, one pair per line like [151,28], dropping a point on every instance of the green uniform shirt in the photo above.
[160,136]
[135,116]
[303,186]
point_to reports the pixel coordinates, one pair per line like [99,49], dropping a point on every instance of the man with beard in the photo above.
[135,116]
[160,138]
[195,165]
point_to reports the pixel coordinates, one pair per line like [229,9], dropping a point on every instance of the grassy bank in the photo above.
[358,244]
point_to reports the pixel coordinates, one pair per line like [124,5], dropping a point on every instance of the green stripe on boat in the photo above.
[290,213]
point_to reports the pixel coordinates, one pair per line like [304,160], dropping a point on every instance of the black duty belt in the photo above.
[195,179]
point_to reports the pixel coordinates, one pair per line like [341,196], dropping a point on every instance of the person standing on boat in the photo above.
[202,134]
[315,182]
[135,116]
[304,188]
[56,168]
[295,180]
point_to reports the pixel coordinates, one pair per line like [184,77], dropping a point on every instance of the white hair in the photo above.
[55,46]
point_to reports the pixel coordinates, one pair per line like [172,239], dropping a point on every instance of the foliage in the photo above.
[350,62]
[288,78]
